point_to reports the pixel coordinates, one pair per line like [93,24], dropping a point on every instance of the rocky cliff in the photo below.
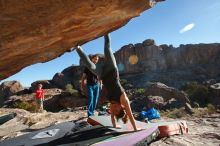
[168,64]
[38,31]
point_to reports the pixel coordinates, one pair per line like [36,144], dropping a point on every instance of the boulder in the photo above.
[155,102]
[70,75]
[72,102]
[47,84]
[9,88]
[168,93]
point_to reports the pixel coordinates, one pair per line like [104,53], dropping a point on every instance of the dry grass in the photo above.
[31,106]
[174,113]
[2,113]
[181,113]
[200,112]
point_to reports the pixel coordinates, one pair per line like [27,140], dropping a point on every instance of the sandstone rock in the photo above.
[148,42]
[9,88]
[59,80]
[70,75]
[52,103]
[172,104]
[72,102]
[165,57]
[170,65]
[164,46]
[39,31]
[168,93]
[155,101]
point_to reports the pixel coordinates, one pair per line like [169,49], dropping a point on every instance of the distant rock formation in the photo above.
[156,58]
[39,31]
[148,62]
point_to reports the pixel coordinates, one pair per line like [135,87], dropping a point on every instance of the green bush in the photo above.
[173,116]
[198,93]
[176,114]
[71,90]
[29,106]
[140,91]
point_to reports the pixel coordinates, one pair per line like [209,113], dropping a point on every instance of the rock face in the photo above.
[167,64]
[157,58]
[39,31]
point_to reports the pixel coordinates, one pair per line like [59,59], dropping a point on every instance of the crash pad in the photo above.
[63,134]
[166,128]
[142,137]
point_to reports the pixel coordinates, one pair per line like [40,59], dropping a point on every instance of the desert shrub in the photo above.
[211,108]
[173,116]
[198,93]
[140,91]
[176,113]
[69,88]
[29,106]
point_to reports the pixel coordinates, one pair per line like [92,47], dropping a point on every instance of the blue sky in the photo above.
[171,22]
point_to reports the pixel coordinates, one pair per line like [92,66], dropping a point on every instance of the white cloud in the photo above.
[187,28]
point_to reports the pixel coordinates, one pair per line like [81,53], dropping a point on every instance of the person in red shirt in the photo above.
[40,96]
